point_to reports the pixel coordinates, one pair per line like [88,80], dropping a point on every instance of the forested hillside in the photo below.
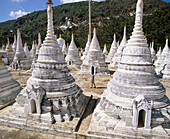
[109,16]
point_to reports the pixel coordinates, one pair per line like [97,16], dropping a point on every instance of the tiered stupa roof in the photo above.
[9,88]
[134,88]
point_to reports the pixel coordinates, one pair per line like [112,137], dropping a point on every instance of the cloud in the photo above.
[70,1]
[17,14]
[17,0]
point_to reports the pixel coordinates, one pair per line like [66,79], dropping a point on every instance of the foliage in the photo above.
[109,16]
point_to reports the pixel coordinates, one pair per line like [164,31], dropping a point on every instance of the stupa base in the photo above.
[15,117]
[103,126]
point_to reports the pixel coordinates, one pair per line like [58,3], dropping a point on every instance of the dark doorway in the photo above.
[33,106]
[92,70]
[70,62]
[141,119]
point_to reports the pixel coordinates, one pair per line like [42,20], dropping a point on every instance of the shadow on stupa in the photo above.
[88,111]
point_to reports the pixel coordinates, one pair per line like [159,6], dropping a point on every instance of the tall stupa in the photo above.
[20,61]
[94,62]
[10,52]
[51,99]
[112,51]
[9,87]
[118,55]
[134,102]
[72,57]
[105,51]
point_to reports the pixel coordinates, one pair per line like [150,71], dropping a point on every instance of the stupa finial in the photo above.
[115,37]
[60,35]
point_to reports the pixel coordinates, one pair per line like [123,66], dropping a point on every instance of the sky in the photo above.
[12,9]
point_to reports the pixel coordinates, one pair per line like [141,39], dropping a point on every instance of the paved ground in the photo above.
[84,83]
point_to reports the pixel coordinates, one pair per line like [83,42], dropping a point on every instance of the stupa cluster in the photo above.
[134,102]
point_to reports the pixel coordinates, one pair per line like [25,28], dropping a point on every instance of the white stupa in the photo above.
[27,52]
[35,57]
[72,57]
[94,63]
[160,65]
[51,99]
[118,55]
[64,50]
[166,70]
[134,99]
[105,51]
[10,52]
[20,61]
[14,45]
[153,53]
[61,41]
[86,48]
[158,55]
[112,51]
[33,50]
[9,88]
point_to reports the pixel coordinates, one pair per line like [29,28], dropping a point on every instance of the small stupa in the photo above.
[161,62]
[112,51]
[118,55]
[166,70]
[61,41]
[134,99]
[33,50]
[9,88]
[20,61]
[10,52]
[51,96]
[14,45]
[153,54]
[105,51]
[94,63]
[72,57]
[35,57]
[27,52]
[86,48]
[64,50]
[158,55]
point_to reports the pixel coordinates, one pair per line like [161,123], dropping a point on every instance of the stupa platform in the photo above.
[39,123]
[116,128]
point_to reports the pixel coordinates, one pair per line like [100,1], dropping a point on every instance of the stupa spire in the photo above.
[39,40]
[14,46]
[86,48]
[112,51]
